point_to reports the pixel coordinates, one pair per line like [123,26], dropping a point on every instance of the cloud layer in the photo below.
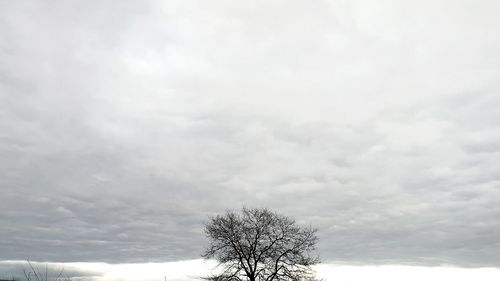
[124,124]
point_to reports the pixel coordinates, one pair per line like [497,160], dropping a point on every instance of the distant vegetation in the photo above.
[34,272]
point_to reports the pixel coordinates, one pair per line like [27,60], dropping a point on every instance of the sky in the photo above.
[125,124]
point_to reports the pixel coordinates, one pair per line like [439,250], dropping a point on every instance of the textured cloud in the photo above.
[124,124]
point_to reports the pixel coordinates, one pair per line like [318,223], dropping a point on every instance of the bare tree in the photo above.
[33,272]
[260,245]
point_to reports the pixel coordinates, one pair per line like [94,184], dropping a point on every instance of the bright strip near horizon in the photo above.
[194,269]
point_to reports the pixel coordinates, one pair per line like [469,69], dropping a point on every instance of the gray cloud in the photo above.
[124,125]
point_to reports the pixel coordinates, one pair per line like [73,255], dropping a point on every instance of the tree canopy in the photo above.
[260,245]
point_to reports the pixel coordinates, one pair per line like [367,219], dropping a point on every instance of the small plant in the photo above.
[35,273]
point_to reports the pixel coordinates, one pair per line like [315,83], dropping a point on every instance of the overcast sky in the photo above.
[124,124]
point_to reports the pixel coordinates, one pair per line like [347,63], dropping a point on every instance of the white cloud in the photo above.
[191,270]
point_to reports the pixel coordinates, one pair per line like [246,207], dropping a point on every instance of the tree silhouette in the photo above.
[259,245]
